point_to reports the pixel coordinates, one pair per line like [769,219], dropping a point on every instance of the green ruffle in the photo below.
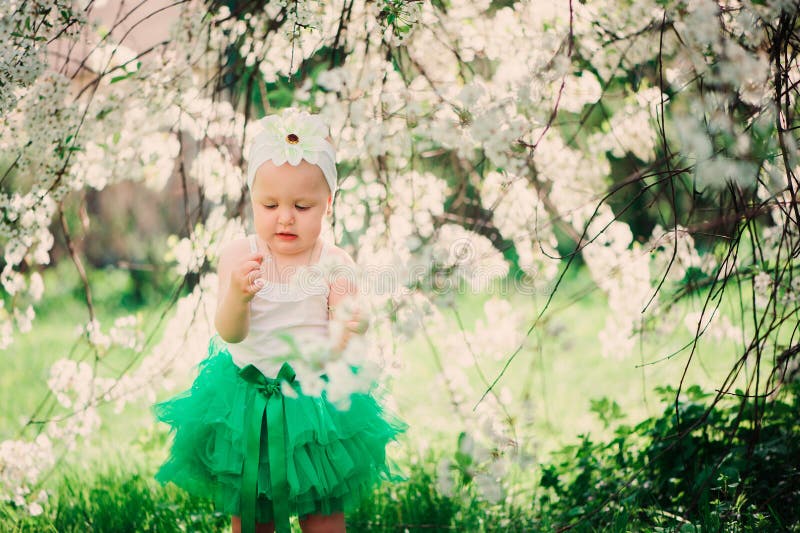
[335,458]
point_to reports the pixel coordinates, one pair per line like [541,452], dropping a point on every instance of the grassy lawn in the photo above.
[560,367]
[56,335]
[109,484]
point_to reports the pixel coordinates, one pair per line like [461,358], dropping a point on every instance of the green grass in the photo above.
[560,369]
[634,482]
[117,500]
[55,335]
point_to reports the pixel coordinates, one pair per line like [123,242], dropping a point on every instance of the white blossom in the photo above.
[465,122]
[214,171]
[472,256]
[712,325]
[444,477]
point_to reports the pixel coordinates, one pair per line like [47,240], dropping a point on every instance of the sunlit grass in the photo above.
[560,367]
[56,335]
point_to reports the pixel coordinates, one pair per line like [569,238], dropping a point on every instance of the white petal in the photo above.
[315,143]
[279,157]
[294,154]
[311,156]
[271,125]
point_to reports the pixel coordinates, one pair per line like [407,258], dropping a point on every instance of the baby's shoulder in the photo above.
[339,255]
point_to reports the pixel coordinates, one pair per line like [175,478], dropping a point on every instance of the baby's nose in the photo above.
[285,216]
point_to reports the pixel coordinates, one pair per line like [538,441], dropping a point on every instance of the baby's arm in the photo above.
[238,283]
[342,300]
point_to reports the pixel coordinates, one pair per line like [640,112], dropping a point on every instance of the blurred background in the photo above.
[577,225]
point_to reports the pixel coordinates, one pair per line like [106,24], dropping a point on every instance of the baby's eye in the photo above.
[303,207]
[269,206]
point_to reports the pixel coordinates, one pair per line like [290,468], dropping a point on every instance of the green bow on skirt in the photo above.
[267,407]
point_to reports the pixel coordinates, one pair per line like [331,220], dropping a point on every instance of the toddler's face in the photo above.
[289,204]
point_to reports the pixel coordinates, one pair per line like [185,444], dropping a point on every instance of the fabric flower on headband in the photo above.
[290,138]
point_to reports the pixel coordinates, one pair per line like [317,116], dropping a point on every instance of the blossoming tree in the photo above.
[471,136]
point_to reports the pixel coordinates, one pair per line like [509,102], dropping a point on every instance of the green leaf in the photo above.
[115,79]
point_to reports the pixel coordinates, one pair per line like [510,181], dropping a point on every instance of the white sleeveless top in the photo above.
[298,308]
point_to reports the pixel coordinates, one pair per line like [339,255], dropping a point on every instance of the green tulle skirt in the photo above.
[333,458]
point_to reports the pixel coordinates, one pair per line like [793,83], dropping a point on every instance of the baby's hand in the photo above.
[357,324]
[347,321]
[246,278]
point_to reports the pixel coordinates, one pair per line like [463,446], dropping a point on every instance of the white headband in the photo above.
[290,137]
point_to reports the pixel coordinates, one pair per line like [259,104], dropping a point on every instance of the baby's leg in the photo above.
[236,526]
[318,523]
